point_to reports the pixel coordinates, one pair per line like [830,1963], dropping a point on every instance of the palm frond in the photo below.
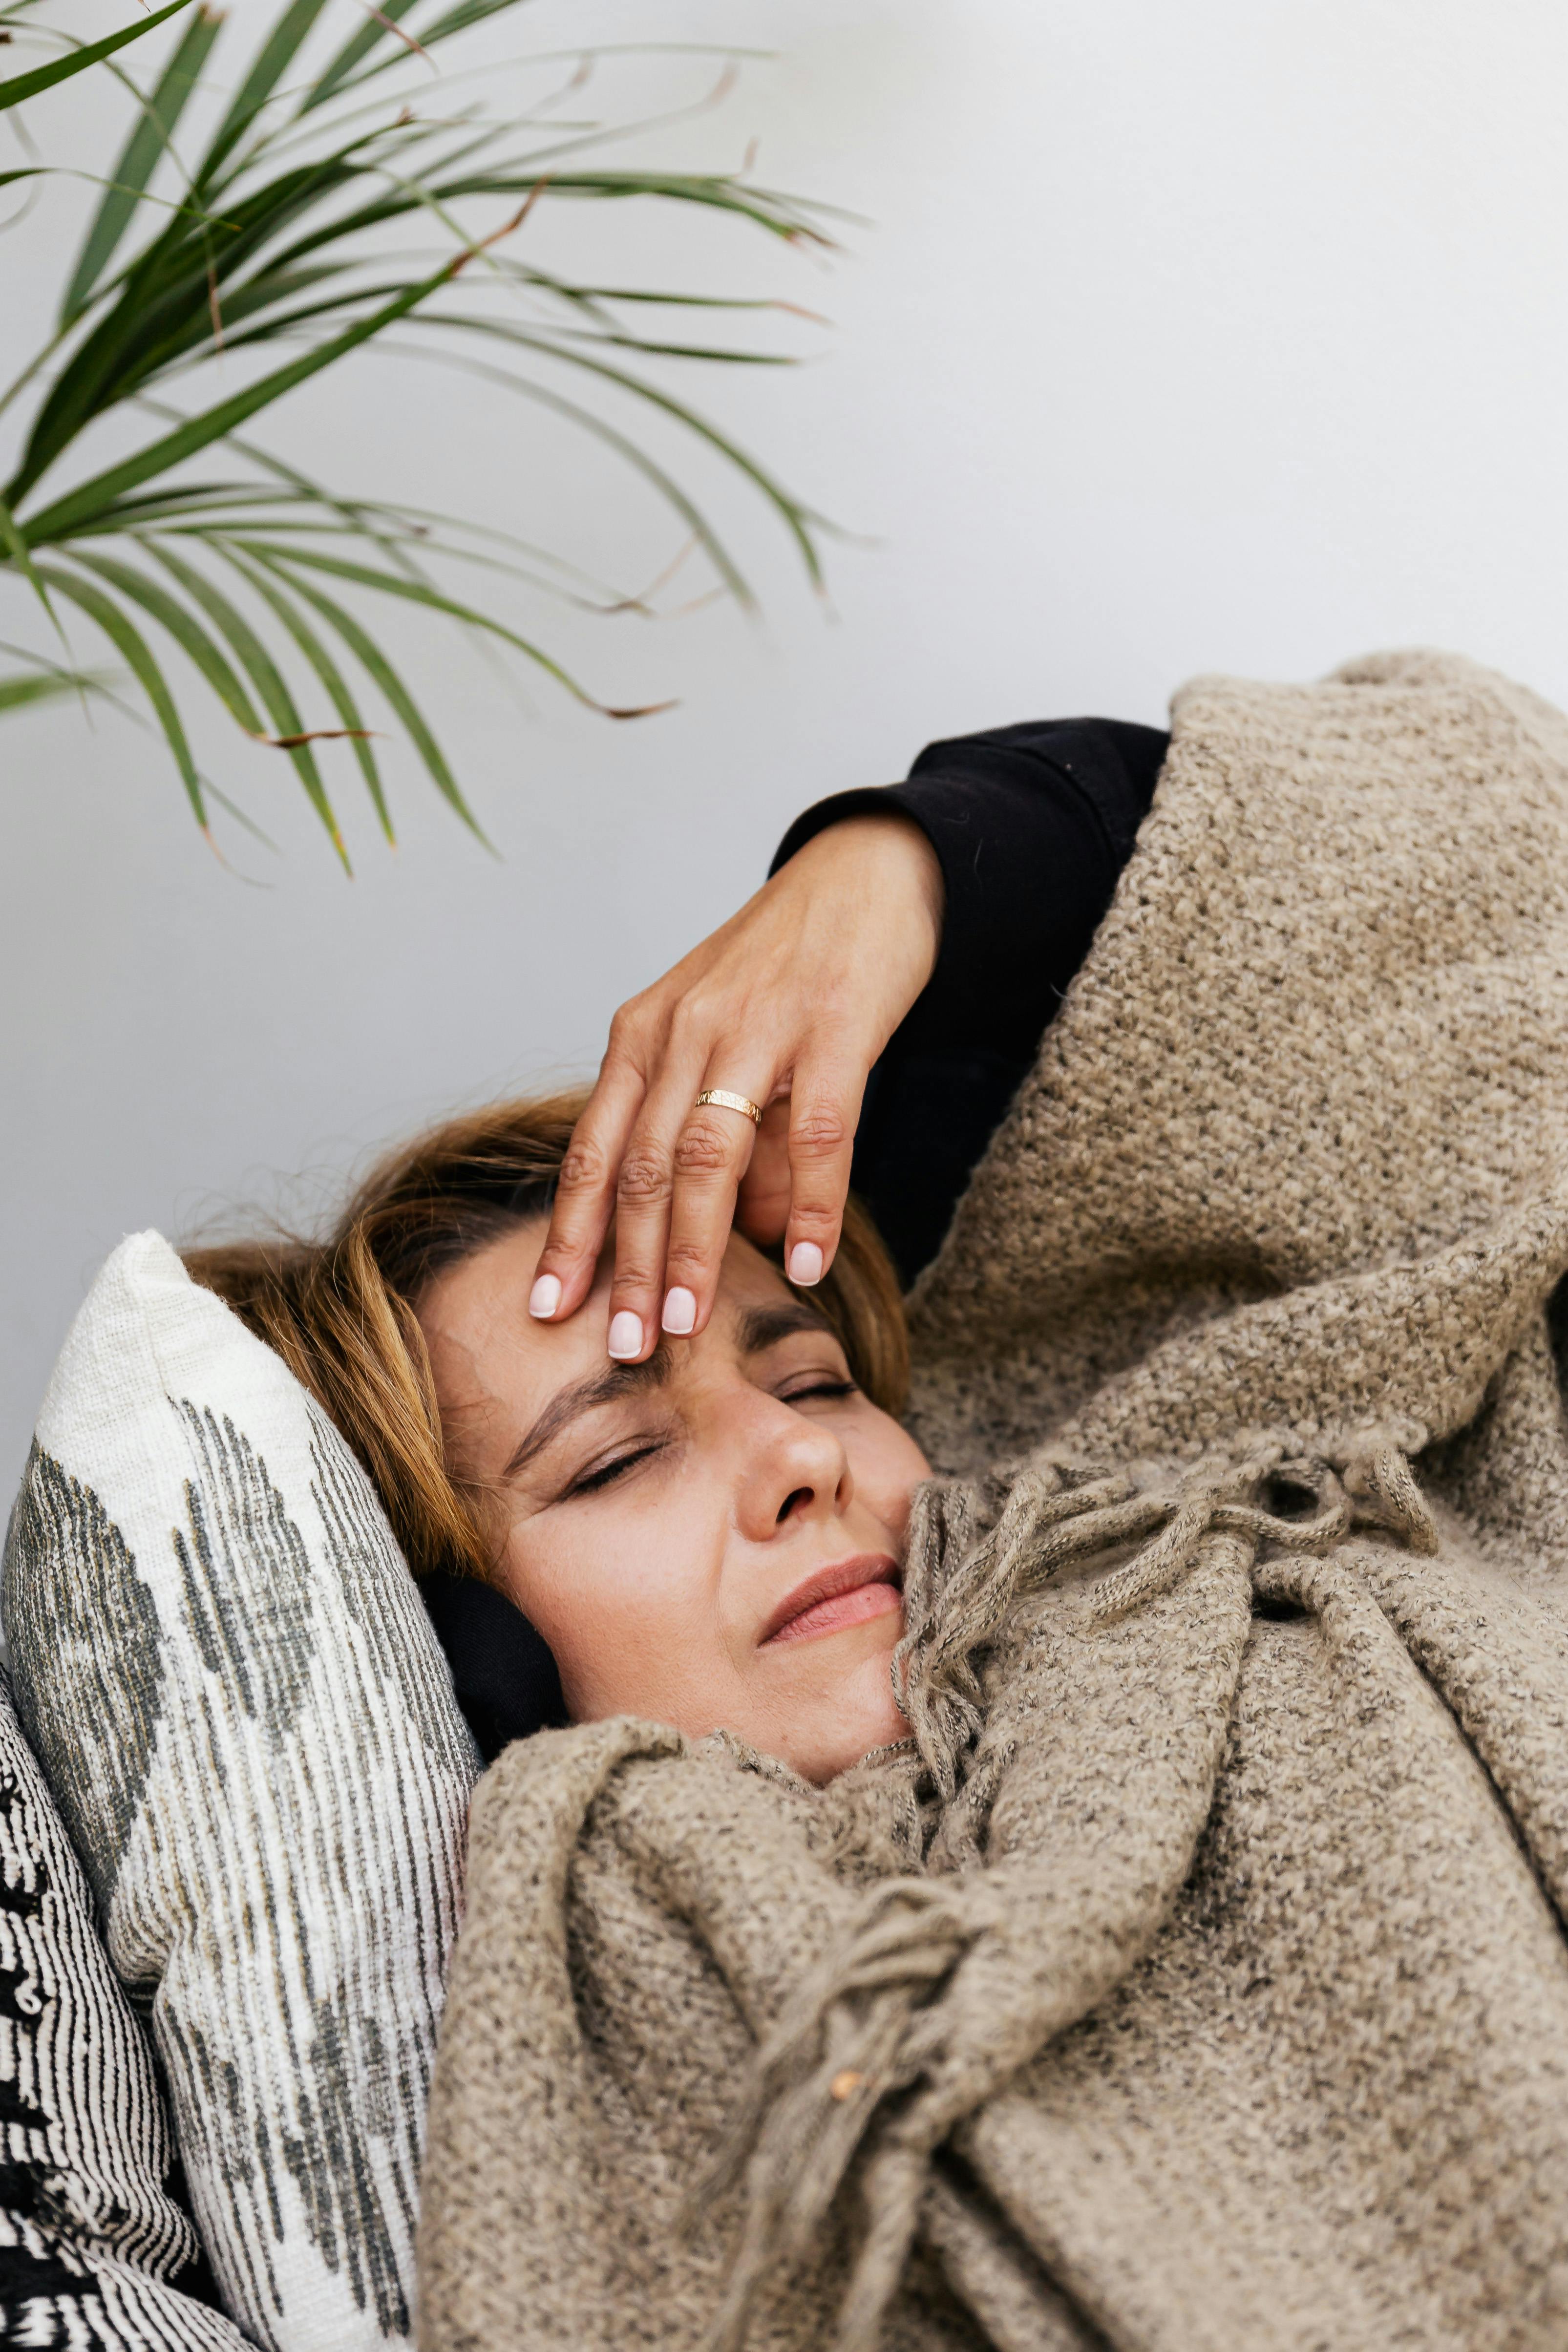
[331,677]
[149,142]
[79,57]
[273,688]
[371,35]
[364,646]
[43,680]
[272,62]
[188,440]
[282,231]
[134,650]
[186,631]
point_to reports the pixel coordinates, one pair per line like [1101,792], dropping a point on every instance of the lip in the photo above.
[842,1577]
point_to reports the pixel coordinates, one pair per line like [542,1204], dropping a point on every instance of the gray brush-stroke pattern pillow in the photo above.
[225,1667]
[94,2251]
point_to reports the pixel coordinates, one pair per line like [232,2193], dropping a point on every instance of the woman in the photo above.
[1193,1975]
[666,1397]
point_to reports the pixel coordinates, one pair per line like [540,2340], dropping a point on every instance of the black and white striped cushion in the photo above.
[93,2249]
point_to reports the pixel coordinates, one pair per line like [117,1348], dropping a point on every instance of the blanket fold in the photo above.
[1196,1977]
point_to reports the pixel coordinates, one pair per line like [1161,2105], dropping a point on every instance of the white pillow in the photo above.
[224,1668]
[94,2251]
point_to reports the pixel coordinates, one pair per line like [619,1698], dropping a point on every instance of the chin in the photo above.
[832,1733]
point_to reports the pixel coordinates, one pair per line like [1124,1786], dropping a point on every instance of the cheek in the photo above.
[888,1466]
[624,1596]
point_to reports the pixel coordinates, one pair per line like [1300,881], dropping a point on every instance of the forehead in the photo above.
[486,1347]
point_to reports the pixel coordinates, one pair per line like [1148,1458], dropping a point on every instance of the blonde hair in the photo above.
[343,1313]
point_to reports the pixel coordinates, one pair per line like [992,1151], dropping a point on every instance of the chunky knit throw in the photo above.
[1195,1977]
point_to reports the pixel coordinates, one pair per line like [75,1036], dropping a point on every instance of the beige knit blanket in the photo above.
[1198,1979]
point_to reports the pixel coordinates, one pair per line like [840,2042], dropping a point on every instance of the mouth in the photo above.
[850,1592]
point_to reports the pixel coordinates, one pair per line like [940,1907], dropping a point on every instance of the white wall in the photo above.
[1225,336]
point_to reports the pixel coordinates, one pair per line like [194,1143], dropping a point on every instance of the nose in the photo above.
[795,1469]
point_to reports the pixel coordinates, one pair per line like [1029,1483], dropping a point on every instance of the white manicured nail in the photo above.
[806,1264]
[545,1297]
[680,1310]
[625,1334]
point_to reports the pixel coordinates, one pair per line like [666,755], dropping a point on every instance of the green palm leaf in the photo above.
[40,686]
[186,632]
[331,677]
[792,514]
[393,584]
[16,548]
[145,150]
[58,69]
[264,675]
[662,480]
[355,51]
[273,60]
[134,651]
[364,649]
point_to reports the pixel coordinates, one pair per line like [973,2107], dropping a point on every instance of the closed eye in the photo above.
[606,1473]
[823,1388]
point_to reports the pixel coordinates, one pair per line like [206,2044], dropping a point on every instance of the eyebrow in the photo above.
[757,1329]
[569,1404]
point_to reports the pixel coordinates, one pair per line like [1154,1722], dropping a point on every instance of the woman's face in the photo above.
[712,1538]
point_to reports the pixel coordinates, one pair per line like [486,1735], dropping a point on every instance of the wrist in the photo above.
[888,861]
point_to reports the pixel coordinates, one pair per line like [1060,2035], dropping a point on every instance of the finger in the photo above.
[711,1157]
[762,1211]
[644,1188]
[824,1110]
[586,1193]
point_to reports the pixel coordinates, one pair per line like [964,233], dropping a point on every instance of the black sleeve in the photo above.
[1032,825]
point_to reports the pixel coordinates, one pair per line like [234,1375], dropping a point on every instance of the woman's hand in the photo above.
[789,1005]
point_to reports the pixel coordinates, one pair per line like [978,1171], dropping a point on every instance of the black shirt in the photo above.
[1032,825]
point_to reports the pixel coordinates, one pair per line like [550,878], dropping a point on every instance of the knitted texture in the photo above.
[1195,1978]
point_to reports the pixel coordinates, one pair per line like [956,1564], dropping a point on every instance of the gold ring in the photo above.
[727,1101]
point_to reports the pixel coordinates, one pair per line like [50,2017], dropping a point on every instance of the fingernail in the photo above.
[625,1333]
[680,1310]
[545,1297]
[806,1264]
